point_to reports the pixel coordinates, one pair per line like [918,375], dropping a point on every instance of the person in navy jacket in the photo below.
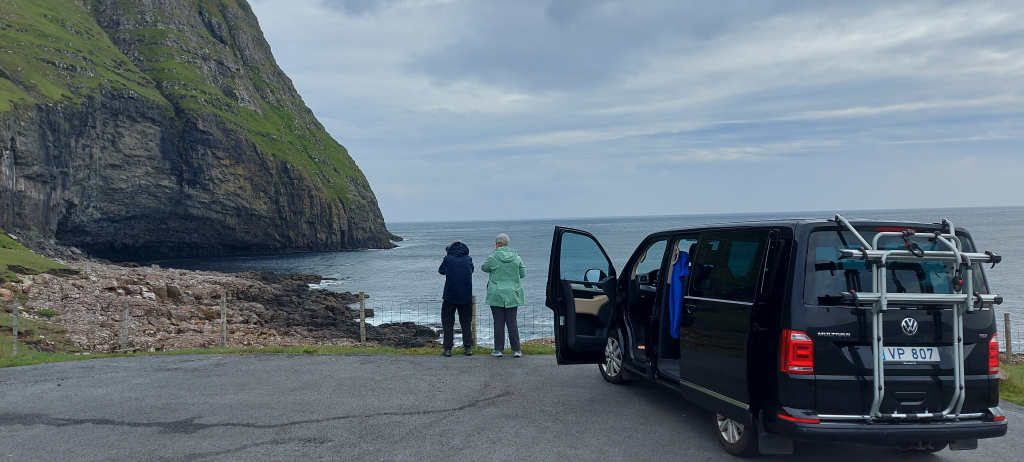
[457,268]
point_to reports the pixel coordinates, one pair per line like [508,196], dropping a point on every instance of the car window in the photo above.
[651,259]
[686,245]
[828,276]
[579,254]
[728,265]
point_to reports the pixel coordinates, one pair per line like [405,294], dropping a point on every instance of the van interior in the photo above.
[648,303]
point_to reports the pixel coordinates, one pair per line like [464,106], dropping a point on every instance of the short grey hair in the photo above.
[502,240]
[453,243]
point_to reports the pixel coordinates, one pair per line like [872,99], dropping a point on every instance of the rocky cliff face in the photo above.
[164,128]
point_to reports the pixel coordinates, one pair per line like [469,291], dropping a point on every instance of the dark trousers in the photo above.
[448,310]
[505,317]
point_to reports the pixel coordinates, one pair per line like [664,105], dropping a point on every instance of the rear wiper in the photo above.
[899,287]
[830,267]
[853,280]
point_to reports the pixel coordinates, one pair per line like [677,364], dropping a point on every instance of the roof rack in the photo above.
[964,301]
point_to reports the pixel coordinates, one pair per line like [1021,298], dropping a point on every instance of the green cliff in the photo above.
[148,129]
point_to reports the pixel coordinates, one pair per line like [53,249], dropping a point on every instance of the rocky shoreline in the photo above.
[174,309]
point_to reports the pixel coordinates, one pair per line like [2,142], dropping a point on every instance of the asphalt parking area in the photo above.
[374,407]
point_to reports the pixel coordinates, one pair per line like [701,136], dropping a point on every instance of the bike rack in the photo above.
[877,301]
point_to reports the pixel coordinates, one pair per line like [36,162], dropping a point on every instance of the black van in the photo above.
[777,328]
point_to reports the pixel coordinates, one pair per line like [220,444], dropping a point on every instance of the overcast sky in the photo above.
[474,110]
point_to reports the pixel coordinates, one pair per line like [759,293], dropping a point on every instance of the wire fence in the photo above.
[8,321]
[6,342]
[1015,331]
[534,322]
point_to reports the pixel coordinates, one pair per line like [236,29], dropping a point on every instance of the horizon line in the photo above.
[699,214]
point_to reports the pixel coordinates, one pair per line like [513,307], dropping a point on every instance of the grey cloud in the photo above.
[765,94]
[563,11]
[584,43]
[359,7]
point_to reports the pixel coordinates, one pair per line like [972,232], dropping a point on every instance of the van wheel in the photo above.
[737,439]
[611,368]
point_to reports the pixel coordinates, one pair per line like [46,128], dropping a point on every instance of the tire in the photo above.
[611,369]
[737,439]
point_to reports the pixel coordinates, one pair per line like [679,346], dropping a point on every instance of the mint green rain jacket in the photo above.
[505,269]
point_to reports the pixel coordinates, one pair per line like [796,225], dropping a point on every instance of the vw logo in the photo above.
[909,326]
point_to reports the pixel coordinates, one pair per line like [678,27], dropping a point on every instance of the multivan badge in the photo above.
[909,326]
[834,334]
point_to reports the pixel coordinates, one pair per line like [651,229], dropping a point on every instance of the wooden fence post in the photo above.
[1009,341]
[14,330]
[124,327]
[362,319]
[223,321]
[473,323]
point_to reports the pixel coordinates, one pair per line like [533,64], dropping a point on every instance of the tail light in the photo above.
[798,419]
[796,353]
[993,355]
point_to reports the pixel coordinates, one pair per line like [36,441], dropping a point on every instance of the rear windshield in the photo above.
[828,276]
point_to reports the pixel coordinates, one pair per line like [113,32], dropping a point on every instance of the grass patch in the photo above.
[1012,389]
[13,254]
[31,357]
[49,336]
[28,357]
[53,50]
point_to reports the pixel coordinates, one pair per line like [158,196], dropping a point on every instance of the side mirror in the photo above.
[594,275]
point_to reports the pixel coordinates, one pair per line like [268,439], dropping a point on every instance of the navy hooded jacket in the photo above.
[458,270]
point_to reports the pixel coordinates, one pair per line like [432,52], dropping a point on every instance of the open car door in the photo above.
[581,292]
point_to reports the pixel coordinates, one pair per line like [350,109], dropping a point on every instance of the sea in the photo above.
[403,283]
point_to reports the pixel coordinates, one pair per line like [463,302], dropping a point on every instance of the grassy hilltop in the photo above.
[125,125]
[55,51]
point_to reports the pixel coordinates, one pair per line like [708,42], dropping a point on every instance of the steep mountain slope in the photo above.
[164,128]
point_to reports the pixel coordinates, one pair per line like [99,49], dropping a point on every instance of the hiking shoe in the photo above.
[469,351]
[447,353]
[496,354]
[517,354]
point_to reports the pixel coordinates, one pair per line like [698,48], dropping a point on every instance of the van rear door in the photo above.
[581,292]
[919,340]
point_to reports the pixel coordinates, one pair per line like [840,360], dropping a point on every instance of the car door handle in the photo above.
[690,307]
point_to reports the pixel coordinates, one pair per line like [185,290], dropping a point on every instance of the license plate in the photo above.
[910,354]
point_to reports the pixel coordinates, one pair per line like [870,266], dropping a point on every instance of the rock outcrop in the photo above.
[164,128]
[176,309]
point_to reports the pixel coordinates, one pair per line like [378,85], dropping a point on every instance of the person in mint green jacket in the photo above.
[504,293]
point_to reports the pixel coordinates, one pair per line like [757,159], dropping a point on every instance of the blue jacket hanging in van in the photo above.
[676,287]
